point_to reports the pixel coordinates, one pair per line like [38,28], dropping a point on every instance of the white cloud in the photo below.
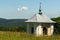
[23,8]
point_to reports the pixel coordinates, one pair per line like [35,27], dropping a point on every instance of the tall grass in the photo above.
[6,35]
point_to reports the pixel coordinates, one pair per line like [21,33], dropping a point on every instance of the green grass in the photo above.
[5,35]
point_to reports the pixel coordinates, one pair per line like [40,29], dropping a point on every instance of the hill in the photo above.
[12,22]
[20,25]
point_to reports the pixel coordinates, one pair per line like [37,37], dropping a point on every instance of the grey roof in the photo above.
[40,18]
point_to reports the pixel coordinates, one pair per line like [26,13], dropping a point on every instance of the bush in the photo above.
[13,28]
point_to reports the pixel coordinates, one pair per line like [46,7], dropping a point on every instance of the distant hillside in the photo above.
[12,22]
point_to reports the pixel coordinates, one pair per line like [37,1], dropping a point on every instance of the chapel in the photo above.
[40,24]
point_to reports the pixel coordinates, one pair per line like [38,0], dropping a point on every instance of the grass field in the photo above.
[5,35]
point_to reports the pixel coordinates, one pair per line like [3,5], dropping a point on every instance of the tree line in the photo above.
[57,25]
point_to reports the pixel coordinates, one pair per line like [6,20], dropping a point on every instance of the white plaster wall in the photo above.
[51,30]
[39,30]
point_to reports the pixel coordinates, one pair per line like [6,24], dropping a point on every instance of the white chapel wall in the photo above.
[39,30]
[51,30]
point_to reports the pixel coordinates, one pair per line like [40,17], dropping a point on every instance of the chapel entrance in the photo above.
[44,30]
[32,30]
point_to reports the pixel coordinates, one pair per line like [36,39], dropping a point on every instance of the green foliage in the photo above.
[56,20]
[57,25]
[13,28]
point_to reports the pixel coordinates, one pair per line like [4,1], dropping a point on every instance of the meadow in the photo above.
[7,35]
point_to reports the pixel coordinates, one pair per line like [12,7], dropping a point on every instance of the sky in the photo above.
[24,9]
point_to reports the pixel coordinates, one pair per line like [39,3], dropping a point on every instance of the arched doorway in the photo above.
[32,30]
[44,30]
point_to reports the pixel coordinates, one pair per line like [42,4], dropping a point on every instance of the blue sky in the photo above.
[20,9]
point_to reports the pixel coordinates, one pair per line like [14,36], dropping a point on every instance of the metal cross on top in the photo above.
[40,9]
